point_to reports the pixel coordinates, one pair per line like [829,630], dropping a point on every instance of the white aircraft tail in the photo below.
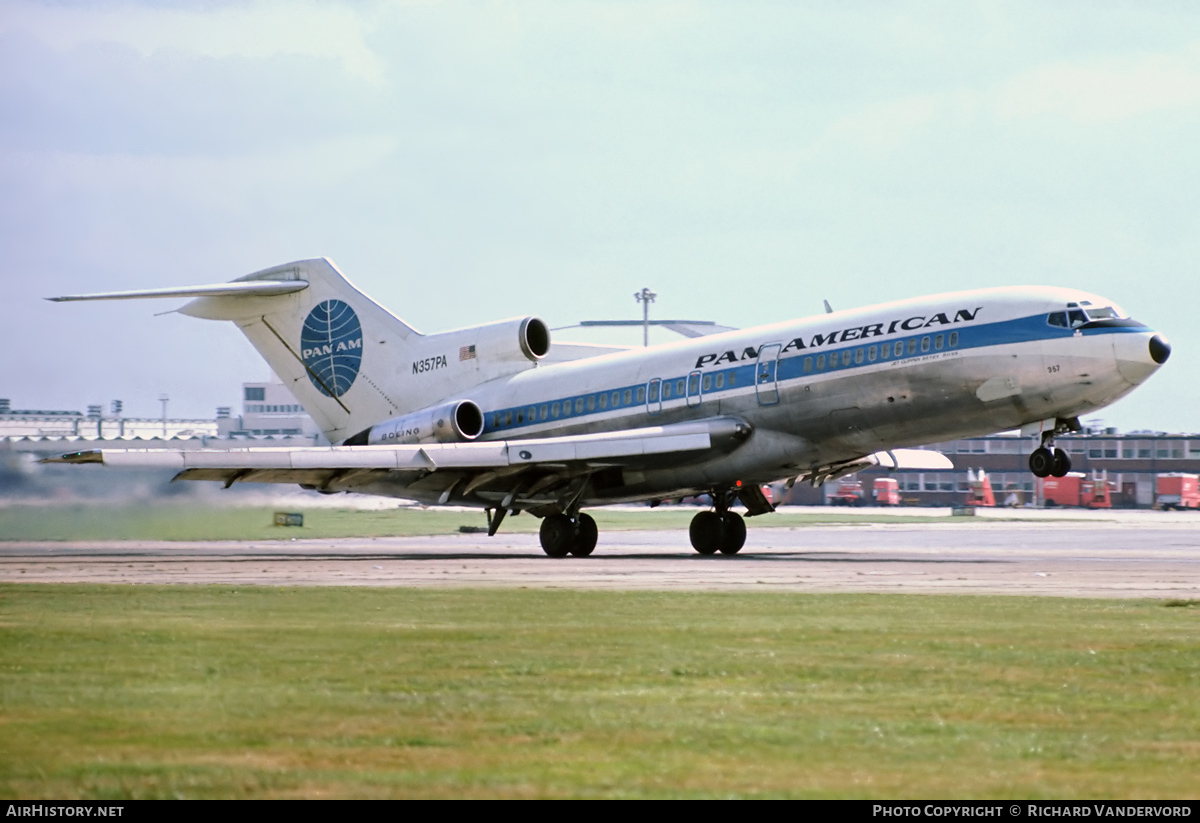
[350,362]
[331,345]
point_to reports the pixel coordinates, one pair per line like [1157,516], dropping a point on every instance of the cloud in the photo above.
[257,30]
[1077,95]
[1104,91]
[108,98]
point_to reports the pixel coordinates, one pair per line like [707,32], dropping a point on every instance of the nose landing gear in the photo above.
[1046,460]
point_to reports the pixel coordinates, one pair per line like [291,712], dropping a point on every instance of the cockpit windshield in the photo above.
[1081,313]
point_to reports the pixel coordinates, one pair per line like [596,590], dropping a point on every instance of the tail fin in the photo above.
[331,345]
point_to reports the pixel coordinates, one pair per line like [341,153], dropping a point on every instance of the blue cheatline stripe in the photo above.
[791,367]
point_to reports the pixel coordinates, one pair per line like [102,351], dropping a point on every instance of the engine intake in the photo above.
[535,338]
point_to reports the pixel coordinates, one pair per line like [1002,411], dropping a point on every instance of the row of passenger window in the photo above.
[883,351]
[566,408]
[615,400]
[692,385]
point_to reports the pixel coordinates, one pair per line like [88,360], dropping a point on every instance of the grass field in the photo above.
[189,522]
[254,692]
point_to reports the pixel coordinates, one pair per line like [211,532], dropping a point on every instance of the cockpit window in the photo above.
[1077,314]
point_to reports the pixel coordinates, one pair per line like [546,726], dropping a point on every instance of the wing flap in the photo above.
[303,477]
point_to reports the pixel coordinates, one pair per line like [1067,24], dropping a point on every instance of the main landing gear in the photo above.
[718,531]
[711,531]
[1046,460]
[562,535]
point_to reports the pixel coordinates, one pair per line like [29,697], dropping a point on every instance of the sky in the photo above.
[466,162]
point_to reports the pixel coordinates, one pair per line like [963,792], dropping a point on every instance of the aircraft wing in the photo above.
[471,465]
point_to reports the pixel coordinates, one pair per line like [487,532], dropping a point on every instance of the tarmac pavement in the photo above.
[1103,555]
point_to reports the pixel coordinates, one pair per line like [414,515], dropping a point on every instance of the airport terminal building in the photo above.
[1130,462]
[269,412]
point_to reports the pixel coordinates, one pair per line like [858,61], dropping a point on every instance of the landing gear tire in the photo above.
[711,532]
[1061,464]
[558,535]
[1041,462]
[586,535]
[707,532]
[734,533]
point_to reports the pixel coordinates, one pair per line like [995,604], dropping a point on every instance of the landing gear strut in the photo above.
[562,535]
[720,530]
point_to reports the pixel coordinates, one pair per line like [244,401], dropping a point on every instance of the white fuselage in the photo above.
[832,387]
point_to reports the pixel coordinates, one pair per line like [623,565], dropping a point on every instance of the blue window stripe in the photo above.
[791,367]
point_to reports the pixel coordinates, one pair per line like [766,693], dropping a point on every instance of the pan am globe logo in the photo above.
[331,347]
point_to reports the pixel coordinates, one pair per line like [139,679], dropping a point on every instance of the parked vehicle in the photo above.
[980,489]
[1177,491]
[1078,489]
[887,491]
[849,493]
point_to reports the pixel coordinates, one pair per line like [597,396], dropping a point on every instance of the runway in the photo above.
[1121,557]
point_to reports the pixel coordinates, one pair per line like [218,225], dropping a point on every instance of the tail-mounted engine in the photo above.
[452,422]
[461,360]
[524,339]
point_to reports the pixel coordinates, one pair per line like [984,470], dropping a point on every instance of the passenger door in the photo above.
[654,396]
[766,374]
[693,389]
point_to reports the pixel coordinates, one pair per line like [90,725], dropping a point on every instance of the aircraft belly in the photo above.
[767,456]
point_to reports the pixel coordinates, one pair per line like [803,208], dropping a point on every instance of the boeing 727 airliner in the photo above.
[494,416]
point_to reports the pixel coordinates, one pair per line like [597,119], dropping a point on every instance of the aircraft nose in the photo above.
[1140,355]
[1160,349]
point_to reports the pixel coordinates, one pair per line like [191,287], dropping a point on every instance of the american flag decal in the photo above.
[466,353]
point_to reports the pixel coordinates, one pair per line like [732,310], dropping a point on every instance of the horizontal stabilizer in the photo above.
[253,288]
